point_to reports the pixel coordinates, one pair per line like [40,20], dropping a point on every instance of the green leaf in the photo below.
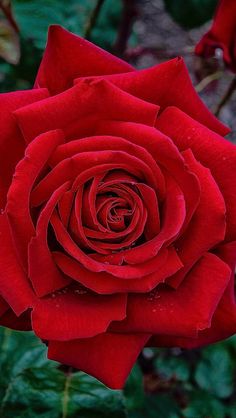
[32,386]
[134,390]
[34,17]
[170,366]
[105,31]
[160,405]
[191,13]
[202,404]
[214,372]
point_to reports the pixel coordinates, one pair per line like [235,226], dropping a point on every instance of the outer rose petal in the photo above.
[68,56]
[211,150]
[168,84]
[222,34]
[108,357]
[86,103]
[183,311]
[209,216]
[26,173]
[76,314]
[224,319]
[11,142]
[14,284]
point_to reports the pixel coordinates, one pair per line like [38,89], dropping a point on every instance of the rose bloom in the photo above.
[118,221]
[222,34]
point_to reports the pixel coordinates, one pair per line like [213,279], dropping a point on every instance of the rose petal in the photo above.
[124,272]
[223,323]
[103,283]
[211,150]
[107,142]
[79,165]
[68,56]
[10,137]
[171,226]
[164,152]
[76,314]
[209,216]
[14,285]
[27,170]
[108,357]
[86,103]
[43,272]
[181,312]
[168,84]
[221,35]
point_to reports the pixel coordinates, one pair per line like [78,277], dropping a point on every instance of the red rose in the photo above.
[119,210]
[221,35]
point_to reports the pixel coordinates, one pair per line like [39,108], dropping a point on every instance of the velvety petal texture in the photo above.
[109,357]
[71,57]
[118,220]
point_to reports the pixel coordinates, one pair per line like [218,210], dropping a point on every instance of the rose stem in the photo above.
[226,97]
[127,19]
[207,80]
[93,19]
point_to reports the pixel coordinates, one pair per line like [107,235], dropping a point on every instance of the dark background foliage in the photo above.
[165,383]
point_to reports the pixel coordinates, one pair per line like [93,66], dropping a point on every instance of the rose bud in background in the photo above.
[222,34]
[118,220]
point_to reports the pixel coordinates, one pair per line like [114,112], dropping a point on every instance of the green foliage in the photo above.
[191,13]
[170,366]
[214,372]
[33,18]
[175,384]
[32,386]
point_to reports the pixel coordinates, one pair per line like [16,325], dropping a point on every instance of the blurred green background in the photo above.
[165,383]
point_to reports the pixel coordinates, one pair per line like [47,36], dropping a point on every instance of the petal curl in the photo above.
[103,283]
[108,357]
[223,323]
[168,84]
[86,104]
[27,170]
[164,152]
[15,287]
[213,151]
[209,216]
[68,56]
[12,143]
[43,272]
[181,312]
[72,314]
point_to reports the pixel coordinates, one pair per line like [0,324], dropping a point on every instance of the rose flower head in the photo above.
[222,34]
[118,220]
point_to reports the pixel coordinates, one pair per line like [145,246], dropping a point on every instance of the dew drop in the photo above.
[81,291]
